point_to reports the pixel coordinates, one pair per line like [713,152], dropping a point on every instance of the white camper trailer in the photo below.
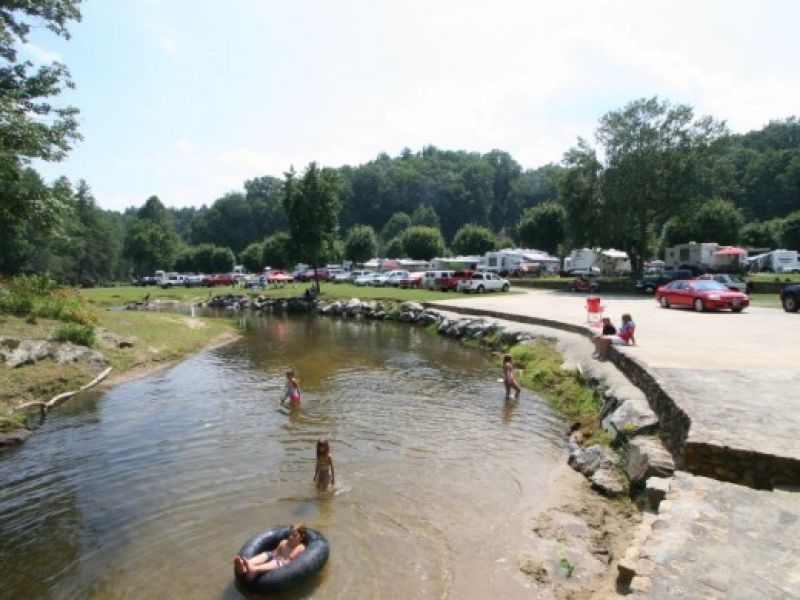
[777,261]
[581,261]
[519,261]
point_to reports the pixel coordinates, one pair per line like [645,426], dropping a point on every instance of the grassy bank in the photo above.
[159,338]
[538,367]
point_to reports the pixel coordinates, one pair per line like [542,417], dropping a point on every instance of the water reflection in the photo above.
[148,490]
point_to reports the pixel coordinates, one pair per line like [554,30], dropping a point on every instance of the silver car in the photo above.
[729,280]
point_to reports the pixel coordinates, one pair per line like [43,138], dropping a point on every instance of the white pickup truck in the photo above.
[171,279]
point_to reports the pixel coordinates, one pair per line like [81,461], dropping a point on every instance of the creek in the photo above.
[148,489]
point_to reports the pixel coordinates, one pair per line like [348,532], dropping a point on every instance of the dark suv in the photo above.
[790,297]
[649,285]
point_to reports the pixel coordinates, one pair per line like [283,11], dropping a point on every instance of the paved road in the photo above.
[758,338]
[736,376]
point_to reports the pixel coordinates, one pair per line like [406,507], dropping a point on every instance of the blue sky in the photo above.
[187,99]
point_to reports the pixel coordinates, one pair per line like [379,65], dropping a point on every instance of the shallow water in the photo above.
[149,489]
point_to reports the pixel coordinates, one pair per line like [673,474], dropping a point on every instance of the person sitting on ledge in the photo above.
[623,337]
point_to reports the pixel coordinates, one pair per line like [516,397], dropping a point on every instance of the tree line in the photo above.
[655,174]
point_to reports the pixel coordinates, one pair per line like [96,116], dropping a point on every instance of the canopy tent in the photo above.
[729,251]
[279,278]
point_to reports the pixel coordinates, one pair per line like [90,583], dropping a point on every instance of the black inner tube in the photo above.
[302,568]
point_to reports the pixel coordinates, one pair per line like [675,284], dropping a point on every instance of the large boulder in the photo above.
[630,418]
[592,458]
[646,457]
[426,318]
[353,307]
[69,353]
[415,307]
[608,482]
[28,352]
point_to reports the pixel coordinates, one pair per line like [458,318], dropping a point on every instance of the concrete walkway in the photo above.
[733,378]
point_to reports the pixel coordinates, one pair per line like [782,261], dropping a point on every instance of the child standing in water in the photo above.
[292,389]
[323,475]
[508,377]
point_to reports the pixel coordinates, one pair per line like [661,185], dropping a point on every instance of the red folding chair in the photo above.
[594,310]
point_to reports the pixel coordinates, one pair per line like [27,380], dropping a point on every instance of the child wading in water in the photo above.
[292,389]
[285,553]
[508,377]
[323,474]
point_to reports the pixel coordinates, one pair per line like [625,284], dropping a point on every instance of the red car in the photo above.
[219,279]
[412,280]
[701,295]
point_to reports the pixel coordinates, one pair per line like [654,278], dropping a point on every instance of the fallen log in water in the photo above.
[62,397]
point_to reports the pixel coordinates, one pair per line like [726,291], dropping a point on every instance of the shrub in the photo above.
[76,333]
[37,296]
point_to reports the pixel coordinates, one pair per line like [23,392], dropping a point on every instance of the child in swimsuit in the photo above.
[508,377]
[323,475]
[285,553]
[292,389]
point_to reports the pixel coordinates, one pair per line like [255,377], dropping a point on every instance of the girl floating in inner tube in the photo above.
[286,552]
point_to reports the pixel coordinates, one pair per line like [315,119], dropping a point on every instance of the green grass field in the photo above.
[119,296]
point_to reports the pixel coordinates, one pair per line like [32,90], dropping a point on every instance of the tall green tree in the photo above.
[425,216]
[396,225]
[657,156]
[423,243]
[96,241]
[714,220]
[395,248]
[278,251]
[31,127]
[361,244]
[252,257]
[542,227]
[790,231]
[760,235]
[473,239]
[312,206]
[151,242]
[587,223]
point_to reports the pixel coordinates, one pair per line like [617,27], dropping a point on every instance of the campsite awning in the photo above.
[730,251]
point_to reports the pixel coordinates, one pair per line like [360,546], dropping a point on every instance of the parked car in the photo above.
[341,277]
[450,282]
[219,279]
[790,297]
[172,279]
[146,280]
[483,282]
[366,279]
[355,274]
[309,275]
[730,280]
[194,280]
[412,280]
[649,285]
[583,283]
[388,278]
[700,295]
[429,278]
[394,277]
